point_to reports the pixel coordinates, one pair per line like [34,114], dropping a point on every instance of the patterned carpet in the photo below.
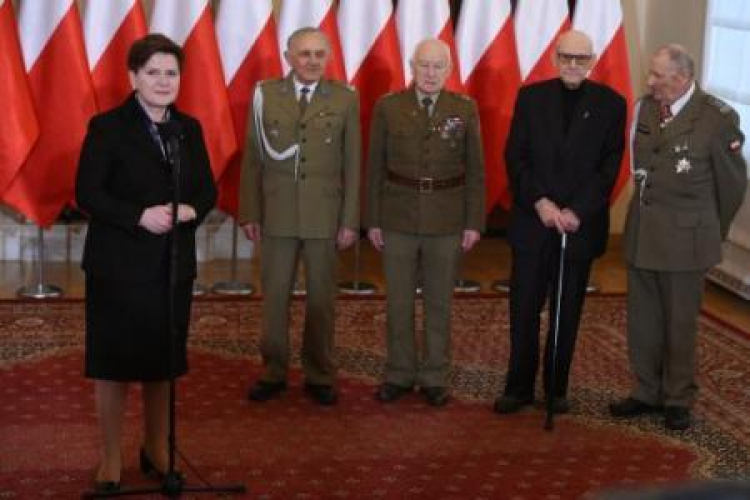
[291,448]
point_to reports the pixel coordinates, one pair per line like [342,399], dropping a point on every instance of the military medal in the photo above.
[683,165]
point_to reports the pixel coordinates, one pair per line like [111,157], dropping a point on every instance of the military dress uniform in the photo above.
[690,181]
[426,186]
[300,181]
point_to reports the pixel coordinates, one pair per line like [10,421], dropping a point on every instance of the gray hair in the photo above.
[680,57]
[307,30]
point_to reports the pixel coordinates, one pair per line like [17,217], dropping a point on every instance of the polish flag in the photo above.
[55,59]
[420,19]
[246,33]
[203,93]
[109,28]
[602,21]
[371,54]
[538,23]
[490,73]
[18,127]
[296,14]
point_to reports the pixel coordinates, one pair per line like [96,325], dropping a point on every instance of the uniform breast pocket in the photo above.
[327,121]
[278,130]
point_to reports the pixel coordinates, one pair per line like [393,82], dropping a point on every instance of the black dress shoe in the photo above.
[560,405]
[150,470]
[677,418]
[322,393]
[106,486]
[510,404]
[631,407]
[263,390]
[435,396]
[388,392]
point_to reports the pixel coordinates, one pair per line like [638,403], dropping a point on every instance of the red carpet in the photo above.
[292,448]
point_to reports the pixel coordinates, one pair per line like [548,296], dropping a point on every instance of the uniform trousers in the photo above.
[534,278]
[279,268]
[663,310]
[406,257]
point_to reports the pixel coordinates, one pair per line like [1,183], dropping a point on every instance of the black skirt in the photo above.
[127,334]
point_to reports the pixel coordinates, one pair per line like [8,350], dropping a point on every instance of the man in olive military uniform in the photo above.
[425,205]
[299,192]
[690,180]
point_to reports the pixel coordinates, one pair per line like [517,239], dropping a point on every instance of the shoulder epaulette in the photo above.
[339,83]
[722,106]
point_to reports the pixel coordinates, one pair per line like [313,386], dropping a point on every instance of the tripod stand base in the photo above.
[40,291]
[501,286]
[356,288]
[466,286]
[232,288]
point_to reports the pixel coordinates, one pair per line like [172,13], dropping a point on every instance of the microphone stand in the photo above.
[173,484]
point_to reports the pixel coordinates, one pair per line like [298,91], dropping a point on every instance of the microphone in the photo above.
[171,133]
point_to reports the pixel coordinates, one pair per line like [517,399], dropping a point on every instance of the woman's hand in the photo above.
[157,219]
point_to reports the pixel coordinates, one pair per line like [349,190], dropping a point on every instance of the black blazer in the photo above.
[576,170]
[121,172]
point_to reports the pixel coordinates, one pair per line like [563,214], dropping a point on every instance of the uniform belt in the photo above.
[426,184]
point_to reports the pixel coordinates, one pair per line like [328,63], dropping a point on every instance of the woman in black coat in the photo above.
[125,184]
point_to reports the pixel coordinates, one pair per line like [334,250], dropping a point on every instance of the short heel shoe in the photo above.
[151,471]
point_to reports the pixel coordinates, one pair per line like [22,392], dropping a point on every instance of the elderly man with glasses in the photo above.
[563,154]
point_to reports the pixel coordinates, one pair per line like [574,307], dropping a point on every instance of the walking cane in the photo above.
[549,423]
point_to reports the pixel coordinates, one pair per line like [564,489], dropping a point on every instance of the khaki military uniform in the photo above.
[426,186]
[690,181]
[301,201]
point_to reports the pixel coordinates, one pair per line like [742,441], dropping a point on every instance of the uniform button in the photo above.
[648,185]
[303,159]
[302,176]
[304,139]
[303,126]
[646,202]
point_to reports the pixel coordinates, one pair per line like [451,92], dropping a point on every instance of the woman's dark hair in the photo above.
[153,43]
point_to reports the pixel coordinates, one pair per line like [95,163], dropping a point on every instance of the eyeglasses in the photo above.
[580,59]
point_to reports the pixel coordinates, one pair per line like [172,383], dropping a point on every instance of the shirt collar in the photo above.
[422,95]
[680,103]
[298,85]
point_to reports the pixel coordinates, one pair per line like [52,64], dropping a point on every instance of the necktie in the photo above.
[303,99]
[665,114]
[427,104]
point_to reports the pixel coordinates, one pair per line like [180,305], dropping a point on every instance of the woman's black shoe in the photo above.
[150,471]
[106,486]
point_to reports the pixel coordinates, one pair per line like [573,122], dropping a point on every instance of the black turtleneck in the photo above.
[570,98]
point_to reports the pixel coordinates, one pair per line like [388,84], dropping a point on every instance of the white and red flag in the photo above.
[55,59]
[203,93]
[109,28]
[296,14]
[538,23]
[18,127]
[601,20]
[371,54]
[489,71]
[246,33]
[420,19]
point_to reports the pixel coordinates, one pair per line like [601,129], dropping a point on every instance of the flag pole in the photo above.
[40,290]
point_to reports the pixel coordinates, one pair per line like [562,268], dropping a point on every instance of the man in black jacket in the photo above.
[563,155]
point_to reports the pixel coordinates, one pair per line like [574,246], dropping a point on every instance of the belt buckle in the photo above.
[425,184]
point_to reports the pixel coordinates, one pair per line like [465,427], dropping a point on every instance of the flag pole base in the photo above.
[466,286]
[501,286]
[356,288]
[232,288]
[40,291]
